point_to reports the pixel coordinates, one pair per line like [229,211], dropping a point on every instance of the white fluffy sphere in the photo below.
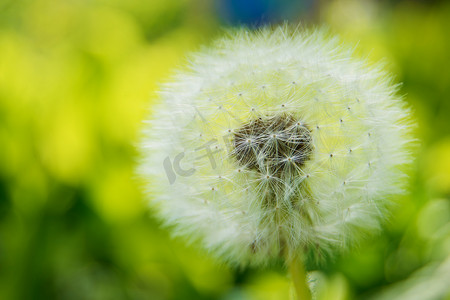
[273,144]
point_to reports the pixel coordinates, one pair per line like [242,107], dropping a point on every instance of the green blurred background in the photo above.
[77,77]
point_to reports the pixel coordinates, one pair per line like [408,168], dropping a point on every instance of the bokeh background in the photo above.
[77,77]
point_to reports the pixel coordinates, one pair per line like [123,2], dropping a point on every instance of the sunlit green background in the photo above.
[77,77]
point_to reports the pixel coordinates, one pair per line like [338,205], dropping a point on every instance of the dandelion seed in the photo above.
[279,197]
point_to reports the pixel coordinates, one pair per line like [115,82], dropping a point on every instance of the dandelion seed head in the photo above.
[290,144]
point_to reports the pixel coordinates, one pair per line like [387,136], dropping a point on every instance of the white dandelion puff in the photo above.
[275,143]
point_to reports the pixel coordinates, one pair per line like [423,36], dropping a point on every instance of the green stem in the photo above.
[298,275]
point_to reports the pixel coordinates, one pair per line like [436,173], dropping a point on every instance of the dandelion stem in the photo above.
[298,275]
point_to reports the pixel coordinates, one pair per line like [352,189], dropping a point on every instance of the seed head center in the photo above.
[279,143]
